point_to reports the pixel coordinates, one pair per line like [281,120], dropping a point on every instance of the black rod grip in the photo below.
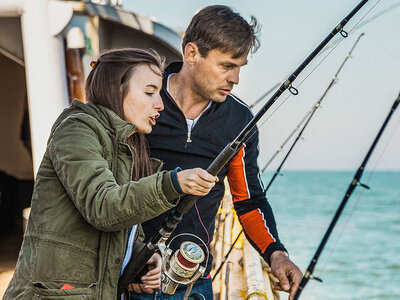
[221,159]
[134,268]
[187,201]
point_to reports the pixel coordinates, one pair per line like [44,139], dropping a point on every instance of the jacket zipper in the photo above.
[108,234]
[189,132]
[188,138]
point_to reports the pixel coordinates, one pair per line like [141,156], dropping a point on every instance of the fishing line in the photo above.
[373,170]
[372,18]
[202,224]
[345,224]
[390,139]
[356,181]
[361,194]
[287,97]
[351,30]
[355,28]
[280,149]
[312,71]
[217,235]
[390,53]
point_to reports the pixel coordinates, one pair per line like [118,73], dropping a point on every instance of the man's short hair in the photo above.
[219,27]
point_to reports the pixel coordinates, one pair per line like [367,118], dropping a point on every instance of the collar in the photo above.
[109,119]
[175,67]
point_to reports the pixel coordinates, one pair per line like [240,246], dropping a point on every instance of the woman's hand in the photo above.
[151,282]
[196,181]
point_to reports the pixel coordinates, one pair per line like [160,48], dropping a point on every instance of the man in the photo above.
[200,118]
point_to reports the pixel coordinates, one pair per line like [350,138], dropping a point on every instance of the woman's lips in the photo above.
[153,119]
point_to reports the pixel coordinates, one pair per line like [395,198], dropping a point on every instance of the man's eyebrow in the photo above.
[228,63]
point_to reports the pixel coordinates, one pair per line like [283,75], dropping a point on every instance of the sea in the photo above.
[362,257]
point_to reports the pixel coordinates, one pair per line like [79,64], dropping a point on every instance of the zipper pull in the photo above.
[188,137]
[189,132]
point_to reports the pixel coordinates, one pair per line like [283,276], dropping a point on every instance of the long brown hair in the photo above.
[108,84]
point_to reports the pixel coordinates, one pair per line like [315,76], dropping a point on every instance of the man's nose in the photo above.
[234,76]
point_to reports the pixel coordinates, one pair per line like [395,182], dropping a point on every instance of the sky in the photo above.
[341,132]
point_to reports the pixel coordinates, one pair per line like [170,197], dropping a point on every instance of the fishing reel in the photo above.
[182,266]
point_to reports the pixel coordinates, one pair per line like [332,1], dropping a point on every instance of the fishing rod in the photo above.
[265,94]
[157,242]
[306,119]
[225,258]
[355,182]
[316,106]
[285,142]
[334,42]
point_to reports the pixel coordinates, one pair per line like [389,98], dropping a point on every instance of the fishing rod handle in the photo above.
[187,201]
[135,269]
[225,155]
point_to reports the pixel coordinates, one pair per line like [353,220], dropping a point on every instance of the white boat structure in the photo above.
[52,42]
[244,274]
[46,47]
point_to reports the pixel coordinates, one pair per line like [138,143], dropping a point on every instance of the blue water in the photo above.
[362,257]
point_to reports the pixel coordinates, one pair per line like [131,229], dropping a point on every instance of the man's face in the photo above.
[215,74]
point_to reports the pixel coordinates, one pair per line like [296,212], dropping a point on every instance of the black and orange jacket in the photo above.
[216,127]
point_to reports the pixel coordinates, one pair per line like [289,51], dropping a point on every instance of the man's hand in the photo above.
[288,274]
[151,282]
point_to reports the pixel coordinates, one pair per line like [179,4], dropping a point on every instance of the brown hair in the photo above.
[219,27]
[108,84]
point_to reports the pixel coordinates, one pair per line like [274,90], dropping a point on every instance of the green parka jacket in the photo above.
[82,204]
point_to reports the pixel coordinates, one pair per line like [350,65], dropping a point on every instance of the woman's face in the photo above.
[143,102]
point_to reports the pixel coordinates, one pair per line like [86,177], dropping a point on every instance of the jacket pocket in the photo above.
[56,259]
[50,291]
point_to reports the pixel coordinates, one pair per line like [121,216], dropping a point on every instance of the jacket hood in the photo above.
[109,119]
[174,67]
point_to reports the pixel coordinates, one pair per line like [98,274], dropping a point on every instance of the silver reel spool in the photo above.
[183,266]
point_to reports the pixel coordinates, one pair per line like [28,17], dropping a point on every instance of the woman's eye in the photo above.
[149,94]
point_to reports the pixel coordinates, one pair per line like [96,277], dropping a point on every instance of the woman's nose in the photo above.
[159,104]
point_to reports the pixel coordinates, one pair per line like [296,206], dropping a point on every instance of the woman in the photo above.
[96,182]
